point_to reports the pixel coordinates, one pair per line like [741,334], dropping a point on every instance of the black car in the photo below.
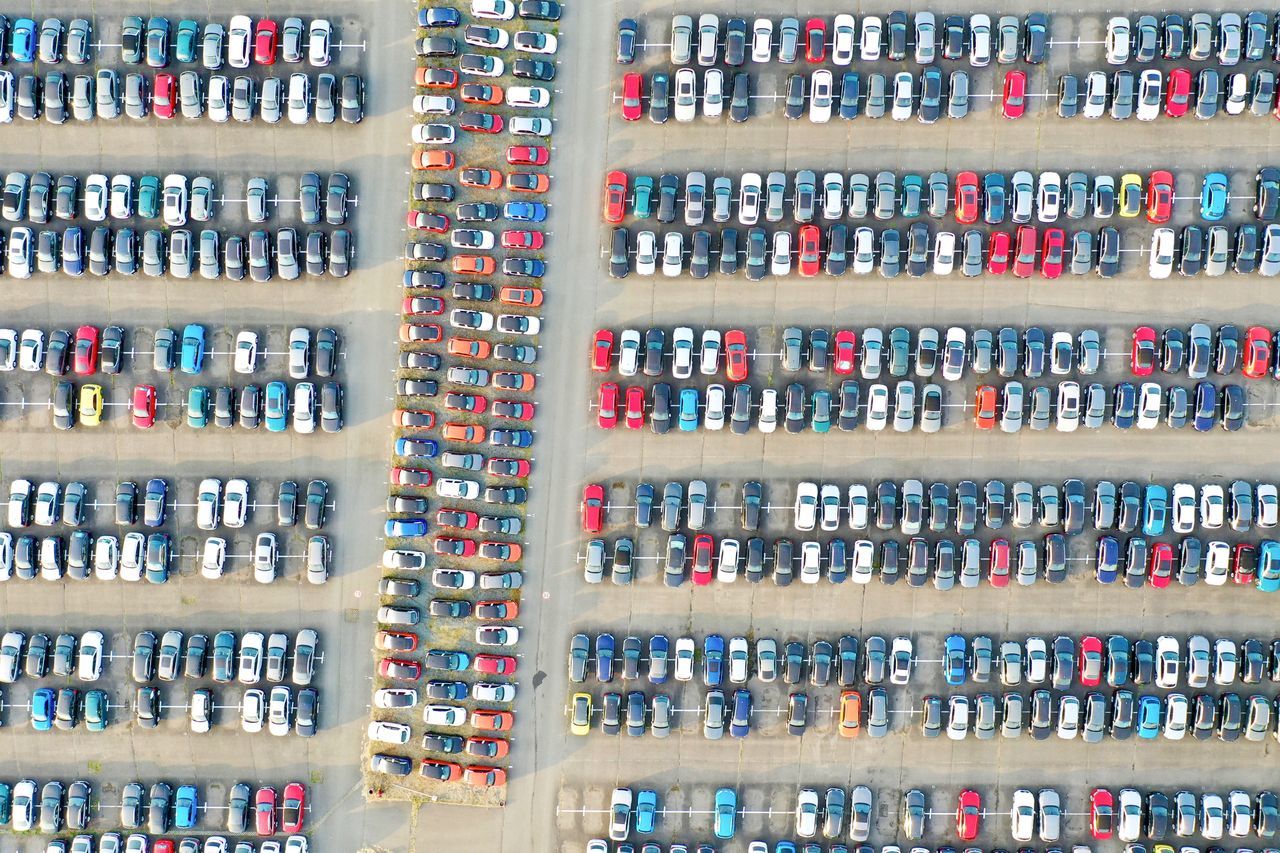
[729,251]
[534,69]
[795,98]
[740,97]
[351,98]
[850,90]
[539,10]
[619,259]
[659,98]
[1036,46]
[660,408]
[440,16]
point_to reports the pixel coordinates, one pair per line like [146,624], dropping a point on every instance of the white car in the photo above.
[246,356]
[31,350]
[265,557]
[444,715]
[713,414]
[1212,817]
[8,349]
[97,195]
[806,506]
[859,506]
[249,663]
[1177,711]
[106,557]
[1150,95]
[1240,814]
[395,697]
[218,100]
[900,655]
[864,555]
[727,561]
[1226,662]
[767,421]
[487,692]
[686,95]
[1268,504]
[497,635]
[90,655]
[300,353]
[762,40]
[709,358]
[810,562]
[1023,815]
[494,10]
[628,352]
[1068,717]
[1160,265]
[712,93]
[1217,563]
[750,187]
[682,347]
[903,96]
[672,254]
[48,503]
[807,813]
[235,502]
[1149,399]
[1182,508]
[24,806]
[280,711]
[958,717]
[448,487]
[683,659]
[1168,662]
[239,35]
[1117,41]
[821,94]
[620,814]
[864,258]
[213,557]
[175,200]
[781,261]
[1036,660]
[1212,506]
[432,134]
[1128,815]
[944,253]
[253,710]
[1049,197]
[441,105]
[1068,406]
[739,660]
[385,732]
[829,502]
[319,35]
[299,99]
[526,126]
[532,97]
[304,408]
[877,407]
[979,40]
[208,503]
[200,713]
[19,503]
[1050,815]
[132,553]
[842,39]
[872,35]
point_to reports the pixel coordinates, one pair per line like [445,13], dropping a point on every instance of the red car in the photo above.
[815,40]
[632,91]
[1024,261]
[480,122]
[528,155]
[532,240]
[444,771]
[1013,103]
[437,223]
[1101,813]
[809,250]
[494,664]
[998,253]
[1051,253]
[399,669]
[143,406]
[1160,565]
[423,305]
[1257,352]
[846,356]
[1178,94]
[513,410]
[593,508]
[86,351]
[967,197]
[635,407]
[163,845]
[984,407]
[164,97]
[998,573]
[1090,661]
[500,467]
[1159,197]
[484,777]
[1142,359]
[703,545]
[447,546]
[412,477]
[1244,564]
[293,807]
[457,519]
[602,351]
[615,196]
[968,815]
[264,811]
[265,37]
[607,417]
[735,355]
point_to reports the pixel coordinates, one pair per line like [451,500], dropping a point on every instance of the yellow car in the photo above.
[580,721]
[91,405]
[1129,197]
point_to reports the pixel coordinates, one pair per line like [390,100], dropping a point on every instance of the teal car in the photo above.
[1155,509]
[193,346]
[646,811]
[642,194]
[1149,712]
[1213,196]
[688,409]
[198,405]
[149,197]
[157,560]
[6,804]
[1269,566]
[726,812]
[96,710]
[186,41]
[276,408]
[821,417]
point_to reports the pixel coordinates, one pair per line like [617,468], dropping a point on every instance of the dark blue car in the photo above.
[1108,560]
[1125,402]
[1206,412]
[740,721]
[713,660]
[604,657]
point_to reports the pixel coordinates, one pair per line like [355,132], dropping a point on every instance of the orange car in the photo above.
[434,160]
[485,777]
[985,407]
[474,265]
[497,610]
[444,771]
[528,182]
[850,713]
[481,93]
[465,433]
[469,348]
[435,78]
[492,721]
[423,333]
[485,179]
[513,381]
[530,296]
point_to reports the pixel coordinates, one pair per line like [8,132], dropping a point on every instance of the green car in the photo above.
[96,710]
[198,407]
[821,417]
[186,42]
[643,193]
[149,197]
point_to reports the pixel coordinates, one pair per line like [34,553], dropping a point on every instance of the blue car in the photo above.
[42,709]
[1150,709]
[192,349]
[604,657]
[424,447]
[511,438]
[659,647]
[954,660]
[198,404]
[186,807]
[785,847]
[713,660]
[740,720]
[1206,410]
[524,211]
[22,41]
[646,811]
[726,812]
[688,409]
[405,527]
[1155,505]
[993,198]
[1213,196]
[1108,560]
[1269,566]
[276,408]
